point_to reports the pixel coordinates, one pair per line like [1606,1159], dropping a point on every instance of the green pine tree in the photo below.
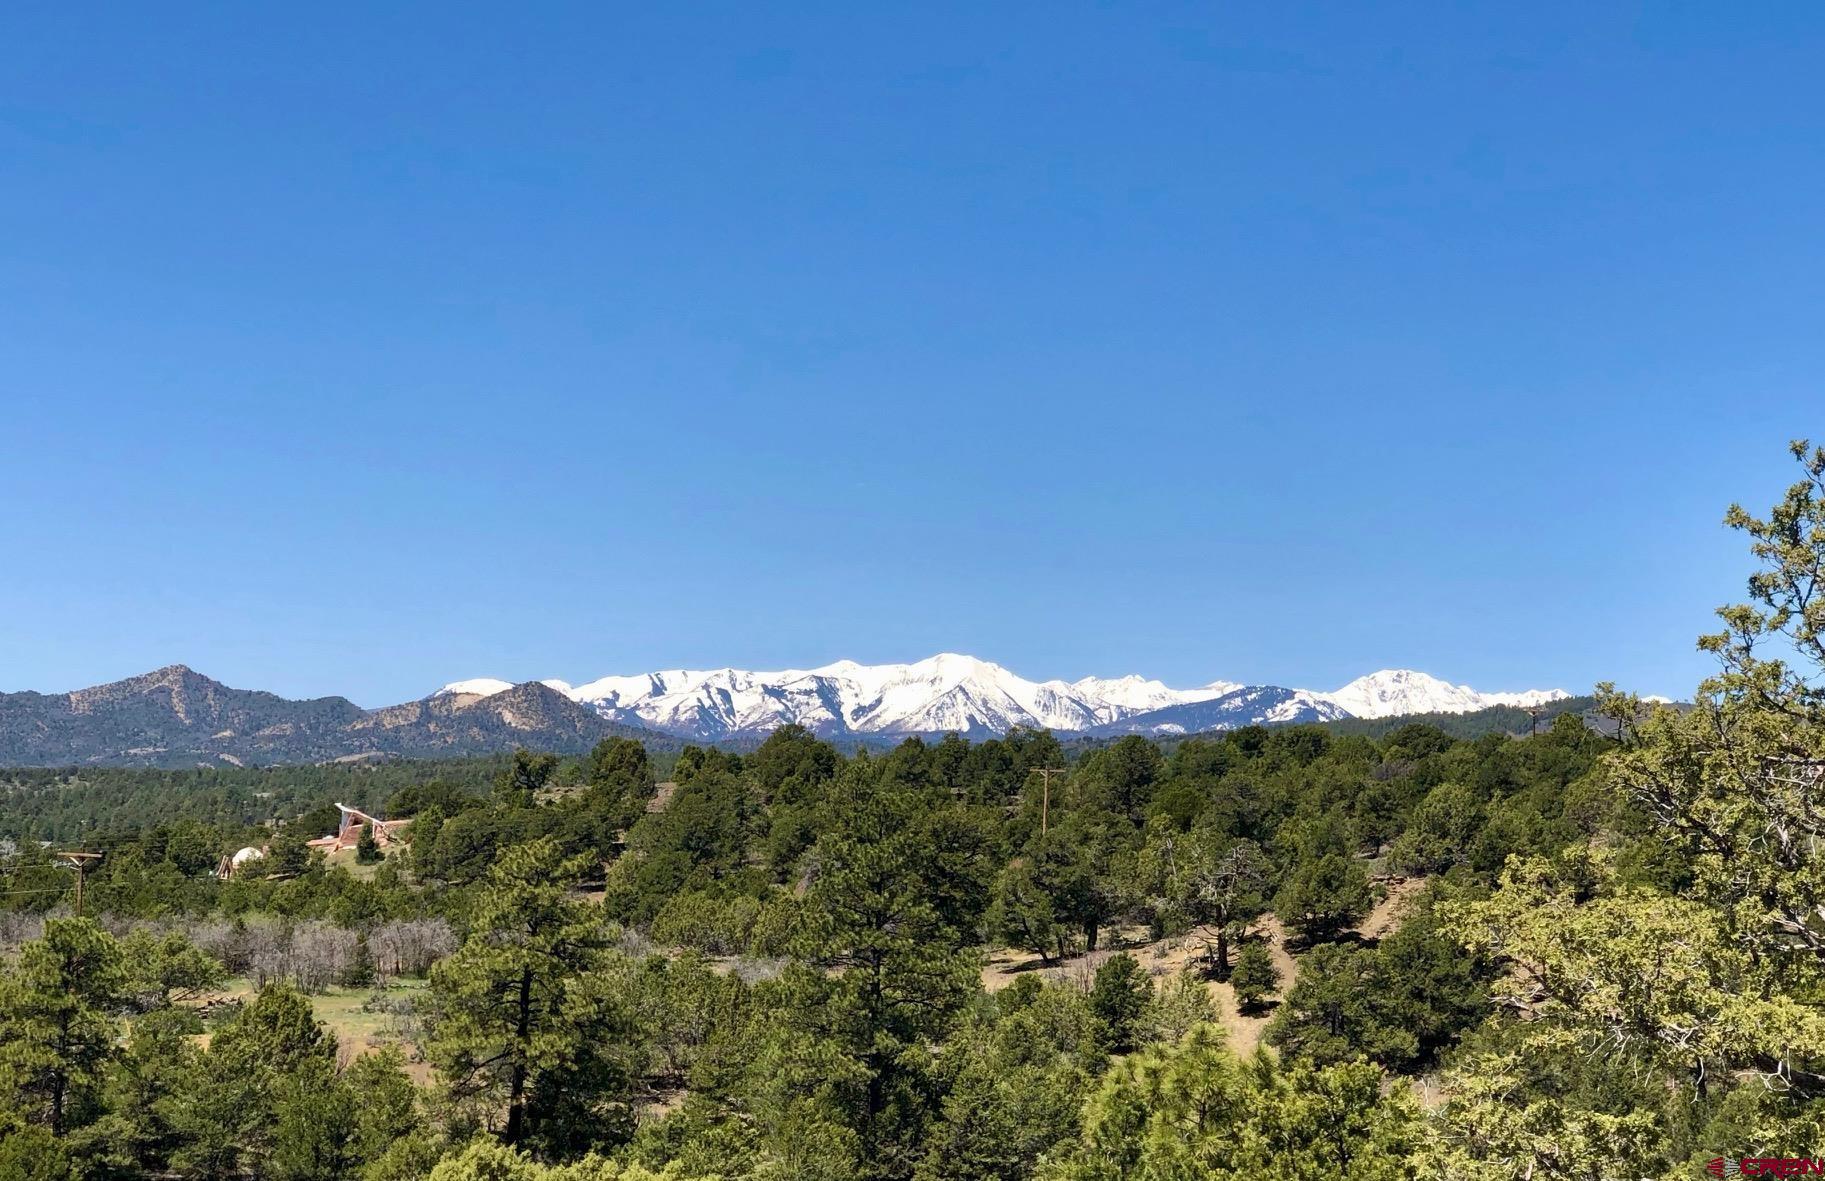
[516,1026]
[367,849]
[1119,998]
[57,1032]
[1325,896]
[1254,978]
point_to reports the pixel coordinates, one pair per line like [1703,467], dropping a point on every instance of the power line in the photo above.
[79,860]
[1045,800]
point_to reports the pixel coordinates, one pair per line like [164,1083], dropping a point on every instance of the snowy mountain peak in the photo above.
[1136,694]
[949,667]
[953,691]
[1398,691]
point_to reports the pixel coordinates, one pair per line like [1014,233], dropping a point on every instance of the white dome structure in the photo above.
[231,865]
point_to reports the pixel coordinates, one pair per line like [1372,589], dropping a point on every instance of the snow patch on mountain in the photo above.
[1136,694]
[475,686]
[489,686]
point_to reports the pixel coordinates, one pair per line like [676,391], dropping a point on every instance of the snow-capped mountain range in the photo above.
[974,697]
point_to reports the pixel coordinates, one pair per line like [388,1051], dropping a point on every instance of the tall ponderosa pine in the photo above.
[57,1031]
[518,1027]
[227,1110]
[900,971]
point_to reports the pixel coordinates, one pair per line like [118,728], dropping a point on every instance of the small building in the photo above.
[387,833]
[231,865]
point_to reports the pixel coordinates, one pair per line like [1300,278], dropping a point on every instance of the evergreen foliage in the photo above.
[801,963]
[1255,977]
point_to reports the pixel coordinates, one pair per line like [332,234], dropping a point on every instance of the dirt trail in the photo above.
[1384,917]
[1166,956]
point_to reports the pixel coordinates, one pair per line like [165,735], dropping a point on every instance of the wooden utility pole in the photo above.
[1534,712]
[1045,798]
[78,860]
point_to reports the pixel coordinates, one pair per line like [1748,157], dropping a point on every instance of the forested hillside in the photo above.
[1284,953]
[176,717]
[90,803]
[1499,719]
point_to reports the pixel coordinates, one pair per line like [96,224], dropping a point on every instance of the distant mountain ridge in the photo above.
[952,692]
[177,717]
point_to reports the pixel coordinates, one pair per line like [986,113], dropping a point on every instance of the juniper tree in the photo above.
[367,849]
[1204,878]
[1710,987]
[519,784]
[1021,915]
[1119,997]
[1323,897]
[1335,1011]
[1255,977]
[226,1111]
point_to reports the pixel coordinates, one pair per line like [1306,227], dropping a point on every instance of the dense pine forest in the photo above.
[94,805]
[1282,953]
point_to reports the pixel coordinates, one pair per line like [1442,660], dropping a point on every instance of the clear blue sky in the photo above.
[356,348]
